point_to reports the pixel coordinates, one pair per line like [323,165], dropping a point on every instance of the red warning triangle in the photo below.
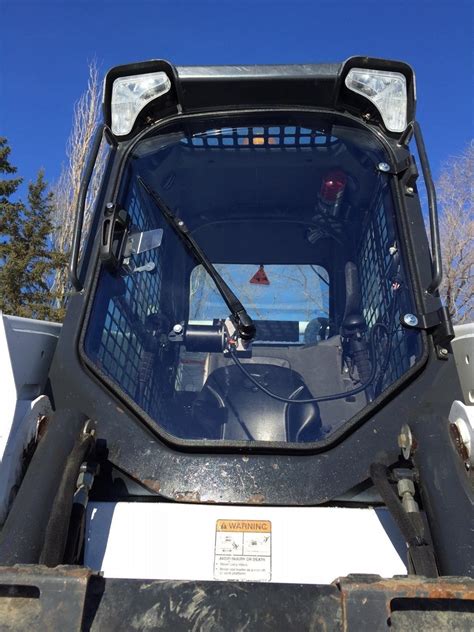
[260,277]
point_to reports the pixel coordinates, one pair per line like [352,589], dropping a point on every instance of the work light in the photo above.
[131,94]
[386,90]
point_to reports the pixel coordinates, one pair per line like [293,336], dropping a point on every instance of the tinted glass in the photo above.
[300,223]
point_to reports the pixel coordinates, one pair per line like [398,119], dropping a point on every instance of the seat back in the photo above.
[231,407]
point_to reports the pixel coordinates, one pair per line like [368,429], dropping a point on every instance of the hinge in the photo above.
[403,165]
[410,177]
[397,168]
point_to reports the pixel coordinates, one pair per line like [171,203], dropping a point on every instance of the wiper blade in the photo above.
[242,321]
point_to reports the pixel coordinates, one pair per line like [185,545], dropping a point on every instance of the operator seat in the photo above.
[231,407]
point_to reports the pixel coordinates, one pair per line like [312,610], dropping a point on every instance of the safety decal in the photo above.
[260,277]
[243,550]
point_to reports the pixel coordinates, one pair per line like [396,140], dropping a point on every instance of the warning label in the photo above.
[243,550]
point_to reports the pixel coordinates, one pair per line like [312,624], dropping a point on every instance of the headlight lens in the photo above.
[131,94]
[387,91]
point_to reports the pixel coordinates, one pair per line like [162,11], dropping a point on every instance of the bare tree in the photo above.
[87,113]
[455,195]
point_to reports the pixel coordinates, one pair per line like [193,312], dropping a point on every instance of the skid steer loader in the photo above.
[256,414]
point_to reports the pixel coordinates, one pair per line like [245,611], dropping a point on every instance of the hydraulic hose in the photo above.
[389,336]
[411,525]
[58,524]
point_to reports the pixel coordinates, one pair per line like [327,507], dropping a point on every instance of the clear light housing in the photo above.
[387,91]
[131,94]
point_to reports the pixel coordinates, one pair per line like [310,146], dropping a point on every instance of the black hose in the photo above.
[312,400]
[411,526]
[389,334]
[75,536]
[22,536]
[58,524]
[355,391]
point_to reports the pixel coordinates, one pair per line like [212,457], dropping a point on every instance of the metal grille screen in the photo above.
[376,276]
[277,137]
[123,353]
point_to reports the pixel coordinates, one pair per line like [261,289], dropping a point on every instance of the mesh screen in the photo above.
[278,137]
[376,275]
[123,352]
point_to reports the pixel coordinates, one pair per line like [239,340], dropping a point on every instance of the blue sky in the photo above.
[46,44]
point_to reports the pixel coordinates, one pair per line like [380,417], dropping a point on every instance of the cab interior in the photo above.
[253,203]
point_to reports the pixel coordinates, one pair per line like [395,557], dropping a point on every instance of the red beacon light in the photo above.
[332,191]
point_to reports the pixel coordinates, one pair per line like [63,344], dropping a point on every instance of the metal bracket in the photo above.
[50,598]
[439,322]
[142,241]
[397,168]
[403,165]
[410,177]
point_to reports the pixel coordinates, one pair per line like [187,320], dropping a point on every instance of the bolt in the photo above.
[180,223]
[405,441]
[443,351]
[88,428]
[383,166]
[410,319]
[410,190]
[178,329]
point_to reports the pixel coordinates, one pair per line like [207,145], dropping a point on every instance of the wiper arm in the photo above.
[242,321]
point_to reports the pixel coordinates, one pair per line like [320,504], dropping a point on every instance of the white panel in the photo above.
[26,350]
[463,347]
[176,541]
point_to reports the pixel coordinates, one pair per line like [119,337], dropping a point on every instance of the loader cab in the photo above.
[256,274]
